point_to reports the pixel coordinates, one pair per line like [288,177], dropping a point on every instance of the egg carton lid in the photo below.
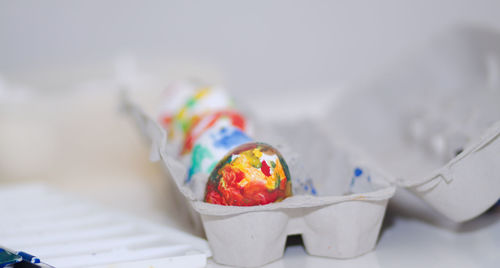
[433,121]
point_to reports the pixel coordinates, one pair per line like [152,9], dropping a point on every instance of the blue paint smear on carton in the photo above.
[358,172]
[358,175]
[308,186]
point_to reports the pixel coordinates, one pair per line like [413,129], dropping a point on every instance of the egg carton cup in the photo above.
[433,122]
[337,223]
[469,184]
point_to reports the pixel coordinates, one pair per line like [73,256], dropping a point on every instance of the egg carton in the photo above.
[433,122]
[403,130]
[342,221]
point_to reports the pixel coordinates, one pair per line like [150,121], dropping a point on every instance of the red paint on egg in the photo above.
[237,120]
[265,168]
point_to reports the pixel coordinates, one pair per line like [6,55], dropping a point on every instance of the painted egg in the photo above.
[251,174]
[203,101]
[208,120]
[213,145]
[175,96]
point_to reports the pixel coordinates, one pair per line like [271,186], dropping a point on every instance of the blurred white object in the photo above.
[67,232]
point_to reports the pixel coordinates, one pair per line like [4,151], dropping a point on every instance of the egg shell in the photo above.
[207,121]
[204,100]
[213,145]
[175,97]
[251,174]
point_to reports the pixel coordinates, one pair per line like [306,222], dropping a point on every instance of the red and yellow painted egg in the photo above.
[208,120]
[251,174]
[175,97]
[203,101]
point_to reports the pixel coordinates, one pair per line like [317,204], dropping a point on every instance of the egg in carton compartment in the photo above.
[341,218]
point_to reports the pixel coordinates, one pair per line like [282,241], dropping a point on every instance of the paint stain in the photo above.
[200,153]
[265,169]
[230,139]
[358,172]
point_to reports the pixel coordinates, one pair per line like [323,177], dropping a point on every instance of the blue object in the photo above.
[28,257]
[8,258]
[20,259]
[358,172]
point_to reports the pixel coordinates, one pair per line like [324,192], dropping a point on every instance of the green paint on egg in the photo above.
[256,164]
[211,167]
[191,102]
[185,125]
[200,153]
[277,182]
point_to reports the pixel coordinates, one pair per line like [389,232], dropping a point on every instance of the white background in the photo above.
[247,45]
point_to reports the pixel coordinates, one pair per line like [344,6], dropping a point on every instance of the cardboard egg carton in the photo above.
[429,125]
[340,222]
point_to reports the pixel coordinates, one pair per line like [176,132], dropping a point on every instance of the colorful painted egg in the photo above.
[213,145]
[251,174]
[203,101]
[175,97]
[205,122]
